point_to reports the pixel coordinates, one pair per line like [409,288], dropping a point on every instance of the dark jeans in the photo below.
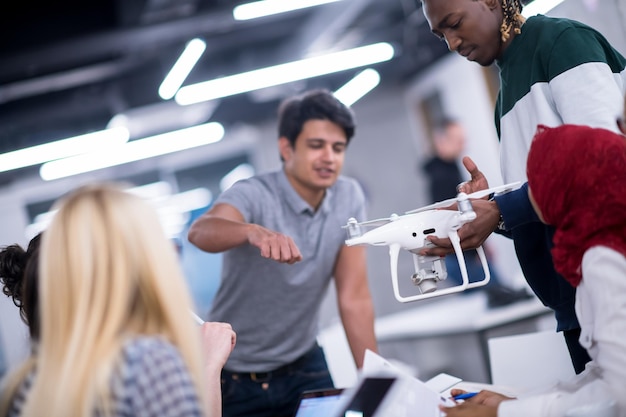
[276,393]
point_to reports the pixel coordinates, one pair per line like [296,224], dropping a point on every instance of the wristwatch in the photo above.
[500,227]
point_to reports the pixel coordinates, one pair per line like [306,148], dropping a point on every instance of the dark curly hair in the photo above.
[317,104]
[513,19]
[19,274]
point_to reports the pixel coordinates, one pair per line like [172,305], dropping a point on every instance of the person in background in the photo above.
[444,175]
[552,71]
[282,238]
[116,334]
[590,252]
[19,271]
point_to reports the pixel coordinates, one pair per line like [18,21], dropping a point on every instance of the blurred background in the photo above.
[174,82]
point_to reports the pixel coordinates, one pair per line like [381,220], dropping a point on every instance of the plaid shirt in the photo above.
[151,381]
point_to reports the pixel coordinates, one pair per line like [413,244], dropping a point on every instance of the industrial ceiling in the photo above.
[68,66]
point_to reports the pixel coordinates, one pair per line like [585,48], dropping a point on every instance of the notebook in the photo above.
[318,403]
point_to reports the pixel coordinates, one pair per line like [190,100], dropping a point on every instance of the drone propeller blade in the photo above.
[482,193]
[477,194]
[374,222]
[440,204]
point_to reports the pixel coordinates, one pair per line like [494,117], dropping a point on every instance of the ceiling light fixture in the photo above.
[285,73]
[170,207]
[352,91]
[240,172]
[181,69]
[63,148]
[263,8]
[134,151]
[540,7]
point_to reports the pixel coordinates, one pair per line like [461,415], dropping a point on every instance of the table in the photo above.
[451,334]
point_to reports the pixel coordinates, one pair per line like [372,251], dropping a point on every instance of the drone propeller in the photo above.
[439,204]
[477,194]
[376,222]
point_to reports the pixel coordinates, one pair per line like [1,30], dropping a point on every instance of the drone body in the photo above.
[410,232]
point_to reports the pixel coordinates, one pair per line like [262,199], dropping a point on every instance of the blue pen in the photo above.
[464,396]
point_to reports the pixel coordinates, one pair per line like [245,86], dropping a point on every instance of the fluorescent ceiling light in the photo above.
[285,73]
[540,7]
[134,151]
[39,224]
[173,209]
[190,200]
[163,116]
[63,148]
[361,84]
[152,191]
[269,7]
[240,172]
[181,69]
[160,194]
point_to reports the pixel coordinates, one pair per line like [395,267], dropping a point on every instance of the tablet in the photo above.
[318,403]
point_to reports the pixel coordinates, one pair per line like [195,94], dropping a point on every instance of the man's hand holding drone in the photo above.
[478,181]
[475,233]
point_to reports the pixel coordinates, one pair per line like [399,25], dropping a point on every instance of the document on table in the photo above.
[428,396]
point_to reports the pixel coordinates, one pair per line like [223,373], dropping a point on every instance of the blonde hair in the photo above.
[108,273]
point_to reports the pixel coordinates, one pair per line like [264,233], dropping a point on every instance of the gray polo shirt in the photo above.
[274,307]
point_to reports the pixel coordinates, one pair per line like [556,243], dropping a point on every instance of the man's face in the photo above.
[315,161]
[469,27]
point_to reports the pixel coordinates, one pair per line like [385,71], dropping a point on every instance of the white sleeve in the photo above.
[589,94]
[601,310]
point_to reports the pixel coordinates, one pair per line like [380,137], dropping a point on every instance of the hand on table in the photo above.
[483,404]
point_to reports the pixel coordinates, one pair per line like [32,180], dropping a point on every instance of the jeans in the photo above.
[276,393]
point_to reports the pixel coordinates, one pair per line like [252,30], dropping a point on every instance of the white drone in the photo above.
[409,231]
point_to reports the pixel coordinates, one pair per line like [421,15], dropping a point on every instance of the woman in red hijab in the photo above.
[577,177]
[577,183]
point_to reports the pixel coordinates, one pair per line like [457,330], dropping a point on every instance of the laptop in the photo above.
[318,403]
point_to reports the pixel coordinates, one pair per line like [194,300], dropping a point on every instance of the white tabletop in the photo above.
[454,314]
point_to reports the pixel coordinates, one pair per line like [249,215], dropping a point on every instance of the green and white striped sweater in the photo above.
[556,71]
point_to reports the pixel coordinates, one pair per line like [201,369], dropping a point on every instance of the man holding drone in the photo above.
[282,241]
[582,81]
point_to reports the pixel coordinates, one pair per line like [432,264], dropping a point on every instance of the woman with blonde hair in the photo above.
[117,337]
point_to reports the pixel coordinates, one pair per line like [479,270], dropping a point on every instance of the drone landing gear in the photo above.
[430,270]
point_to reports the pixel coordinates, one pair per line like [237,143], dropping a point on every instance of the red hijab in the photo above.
[577,176]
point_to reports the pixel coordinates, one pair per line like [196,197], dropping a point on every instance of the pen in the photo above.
[464,396]
[197,318]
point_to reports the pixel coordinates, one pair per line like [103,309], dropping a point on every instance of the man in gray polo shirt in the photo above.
[283,243]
